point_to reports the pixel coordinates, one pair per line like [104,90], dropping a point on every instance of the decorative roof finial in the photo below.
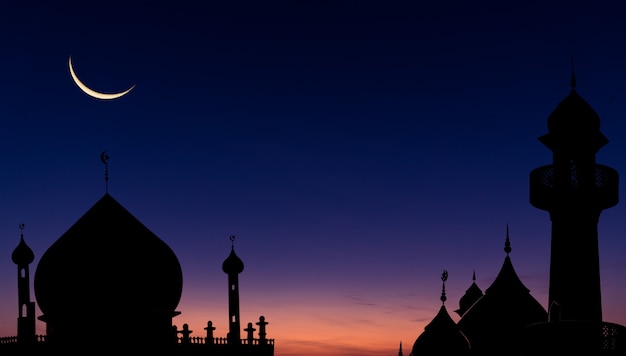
[507,243]
[21,230]
[400,351]
[474,276]
[232,241]
[444,278]
[572,82]
[104,157]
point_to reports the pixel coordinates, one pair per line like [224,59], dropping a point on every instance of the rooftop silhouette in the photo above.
[109,264]
[506,319]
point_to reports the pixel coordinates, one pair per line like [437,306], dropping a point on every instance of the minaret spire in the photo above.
[507,242]
[104,157]
[572,82]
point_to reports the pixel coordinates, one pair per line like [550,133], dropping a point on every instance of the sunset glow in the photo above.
[355,150]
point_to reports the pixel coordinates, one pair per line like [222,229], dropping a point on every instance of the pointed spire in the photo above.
[444,278]
[507,242]
[400,351]
[104,157]
[474,276]
[572,82]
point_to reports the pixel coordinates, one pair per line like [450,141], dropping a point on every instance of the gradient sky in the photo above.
[354,148]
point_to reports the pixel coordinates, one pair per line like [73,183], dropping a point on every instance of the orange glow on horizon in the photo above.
[309,326]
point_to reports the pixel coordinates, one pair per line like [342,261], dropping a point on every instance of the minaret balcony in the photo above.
[545,194]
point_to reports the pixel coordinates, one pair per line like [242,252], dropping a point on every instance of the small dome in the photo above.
[22,255]
[232,264]
[573,114]
[441,337]
[574,127]
[470,297]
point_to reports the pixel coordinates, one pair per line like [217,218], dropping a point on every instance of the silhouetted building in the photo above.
[506,319]
[109,267]
[494,323]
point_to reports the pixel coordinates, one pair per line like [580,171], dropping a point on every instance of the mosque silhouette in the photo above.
[506,320]
[126,271]
[133,273]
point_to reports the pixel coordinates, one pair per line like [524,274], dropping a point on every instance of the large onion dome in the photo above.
[106,268]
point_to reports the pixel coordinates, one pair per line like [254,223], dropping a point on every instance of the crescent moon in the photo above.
[98,95]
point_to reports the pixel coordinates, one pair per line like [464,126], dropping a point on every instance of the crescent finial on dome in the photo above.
[444,278]
[104,158]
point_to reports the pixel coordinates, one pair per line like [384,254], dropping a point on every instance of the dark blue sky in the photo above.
[355,148]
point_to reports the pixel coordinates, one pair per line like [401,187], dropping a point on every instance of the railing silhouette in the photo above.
[571,337]
[221,341]
[544,193]
[197,340]
[14,339]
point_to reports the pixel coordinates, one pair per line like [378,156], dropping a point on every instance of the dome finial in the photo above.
[572,82]
[104,157]
[21,230]
[507,243]
[232,241]
[444,278]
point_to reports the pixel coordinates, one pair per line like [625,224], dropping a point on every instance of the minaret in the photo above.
[22,256]
[574,190]
[233,266]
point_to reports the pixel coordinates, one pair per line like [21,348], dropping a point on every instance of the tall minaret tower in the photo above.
[574,190]
[22,256]
[233,266]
